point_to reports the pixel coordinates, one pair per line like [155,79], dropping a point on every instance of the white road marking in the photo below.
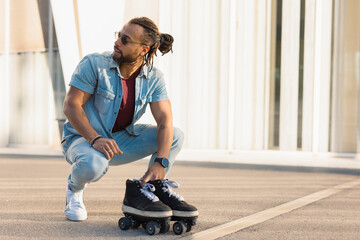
[237,225]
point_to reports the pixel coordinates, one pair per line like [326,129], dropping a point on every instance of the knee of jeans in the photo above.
[178,137]
[95,167]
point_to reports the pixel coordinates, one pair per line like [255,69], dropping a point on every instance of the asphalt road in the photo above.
[32,200]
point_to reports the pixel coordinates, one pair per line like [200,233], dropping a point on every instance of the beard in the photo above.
[125,59]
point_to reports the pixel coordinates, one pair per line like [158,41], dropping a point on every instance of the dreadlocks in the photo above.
[153,38]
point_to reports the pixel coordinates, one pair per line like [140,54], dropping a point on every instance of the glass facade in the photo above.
[35,80]
[281,75]
[345,113]
[54,62]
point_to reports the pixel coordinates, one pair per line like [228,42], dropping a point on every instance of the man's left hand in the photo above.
[155,172]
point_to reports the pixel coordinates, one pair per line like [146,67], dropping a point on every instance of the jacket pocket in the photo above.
[103,100]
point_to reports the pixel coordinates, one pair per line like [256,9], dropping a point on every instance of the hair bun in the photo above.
[166,42]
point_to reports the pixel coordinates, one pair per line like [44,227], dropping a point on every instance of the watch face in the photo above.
[165,162]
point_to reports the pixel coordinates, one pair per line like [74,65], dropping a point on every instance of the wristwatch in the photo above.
[163,161]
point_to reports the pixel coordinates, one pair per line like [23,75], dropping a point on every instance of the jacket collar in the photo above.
[144,72]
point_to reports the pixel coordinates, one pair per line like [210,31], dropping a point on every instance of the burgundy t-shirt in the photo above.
[127,107]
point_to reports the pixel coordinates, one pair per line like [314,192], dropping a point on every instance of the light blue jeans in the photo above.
[89,165]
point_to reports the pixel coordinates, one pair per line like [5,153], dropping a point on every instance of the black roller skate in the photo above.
[142,207]
[184,214]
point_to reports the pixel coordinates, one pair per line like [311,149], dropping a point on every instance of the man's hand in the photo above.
[155,172]
[108,147]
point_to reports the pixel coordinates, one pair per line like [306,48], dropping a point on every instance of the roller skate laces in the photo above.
[168,187]
[148,190]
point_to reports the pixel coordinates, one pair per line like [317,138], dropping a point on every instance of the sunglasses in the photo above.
[125,39]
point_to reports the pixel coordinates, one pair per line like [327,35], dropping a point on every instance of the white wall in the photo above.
[98,22]
[220,77]
[217,74]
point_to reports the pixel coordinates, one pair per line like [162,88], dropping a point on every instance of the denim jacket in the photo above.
[98,75]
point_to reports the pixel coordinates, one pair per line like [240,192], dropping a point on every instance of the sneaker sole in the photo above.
[152,214]
[76,218]
[185,214]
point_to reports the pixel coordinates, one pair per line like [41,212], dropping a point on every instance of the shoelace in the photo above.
[168,187]
[147,191]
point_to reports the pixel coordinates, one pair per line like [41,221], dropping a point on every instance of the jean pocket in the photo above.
[103,100]
[64,148]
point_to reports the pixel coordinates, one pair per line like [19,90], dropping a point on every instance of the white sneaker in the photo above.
[75,209]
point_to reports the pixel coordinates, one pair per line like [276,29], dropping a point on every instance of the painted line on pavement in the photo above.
[237,225]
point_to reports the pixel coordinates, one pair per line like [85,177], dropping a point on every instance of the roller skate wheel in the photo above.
[165,226]
[135,224]
[179,227]
[152,228]
[188,227]
[124,223]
